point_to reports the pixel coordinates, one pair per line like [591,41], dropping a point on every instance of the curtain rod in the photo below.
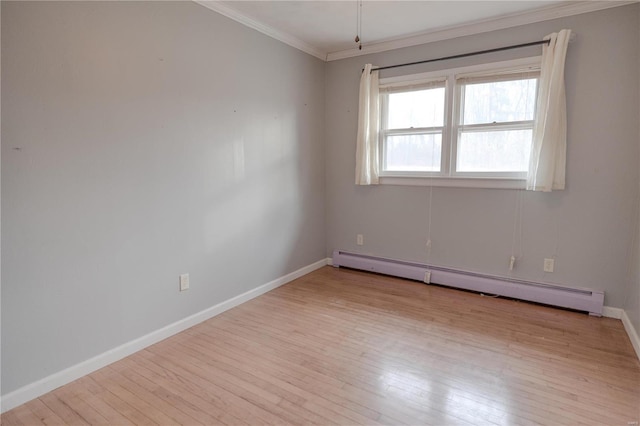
[464,55]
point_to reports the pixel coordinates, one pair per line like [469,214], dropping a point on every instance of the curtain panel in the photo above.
[549,145]
[368,128]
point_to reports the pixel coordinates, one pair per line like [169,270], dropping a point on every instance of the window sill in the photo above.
[455,182]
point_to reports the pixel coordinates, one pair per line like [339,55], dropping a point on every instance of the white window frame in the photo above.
[399,88]
[448,176]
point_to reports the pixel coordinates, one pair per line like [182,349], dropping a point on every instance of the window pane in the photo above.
[418,153]
[500,101]
[422,108]
[497,151]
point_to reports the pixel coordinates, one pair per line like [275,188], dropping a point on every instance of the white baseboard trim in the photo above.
[42,386]
[610,312]
[632,332]
[621,314]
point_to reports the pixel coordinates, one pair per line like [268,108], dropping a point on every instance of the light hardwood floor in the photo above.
[347,347]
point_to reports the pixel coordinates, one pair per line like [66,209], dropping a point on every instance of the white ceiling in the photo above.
[327,29]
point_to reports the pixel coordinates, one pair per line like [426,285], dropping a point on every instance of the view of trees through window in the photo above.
[414,153]
[499,151]
[504,113]
[501,101]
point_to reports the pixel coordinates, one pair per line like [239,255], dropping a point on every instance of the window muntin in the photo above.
[475,122]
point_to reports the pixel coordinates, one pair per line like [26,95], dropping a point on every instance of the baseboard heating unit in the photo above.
[590,301]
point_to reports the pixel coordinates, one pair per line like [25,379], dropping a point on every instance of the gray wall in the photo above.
[587,226]
[632,305]
[140,141]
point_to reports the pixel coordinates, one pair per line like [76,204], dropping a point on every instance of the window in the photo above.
[474,122]
[414,124]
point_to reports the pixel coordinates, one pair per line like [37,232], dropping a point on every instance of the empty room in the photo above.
[320,212]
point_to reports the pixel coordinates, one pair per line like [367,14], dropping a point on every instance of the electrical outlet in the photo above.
[360,239]
[184,282]
[549,264]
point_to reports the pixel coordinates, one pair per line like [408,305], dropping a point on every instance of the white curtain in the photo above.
[367,139]
[549,146]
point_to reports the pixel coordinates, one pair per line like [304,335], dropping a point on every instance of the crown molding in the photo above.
[292,41]
[454,31]
[480,26]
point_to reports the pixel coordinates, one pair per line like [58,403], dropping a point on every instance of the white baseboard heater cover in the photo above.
[591,301]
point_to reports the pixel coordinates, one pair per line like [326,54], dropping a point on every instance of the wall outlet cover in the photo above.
[549,265]
[184,282]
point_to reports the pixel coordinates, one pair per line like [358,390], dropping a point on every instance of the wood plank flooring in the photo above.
[346,347]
